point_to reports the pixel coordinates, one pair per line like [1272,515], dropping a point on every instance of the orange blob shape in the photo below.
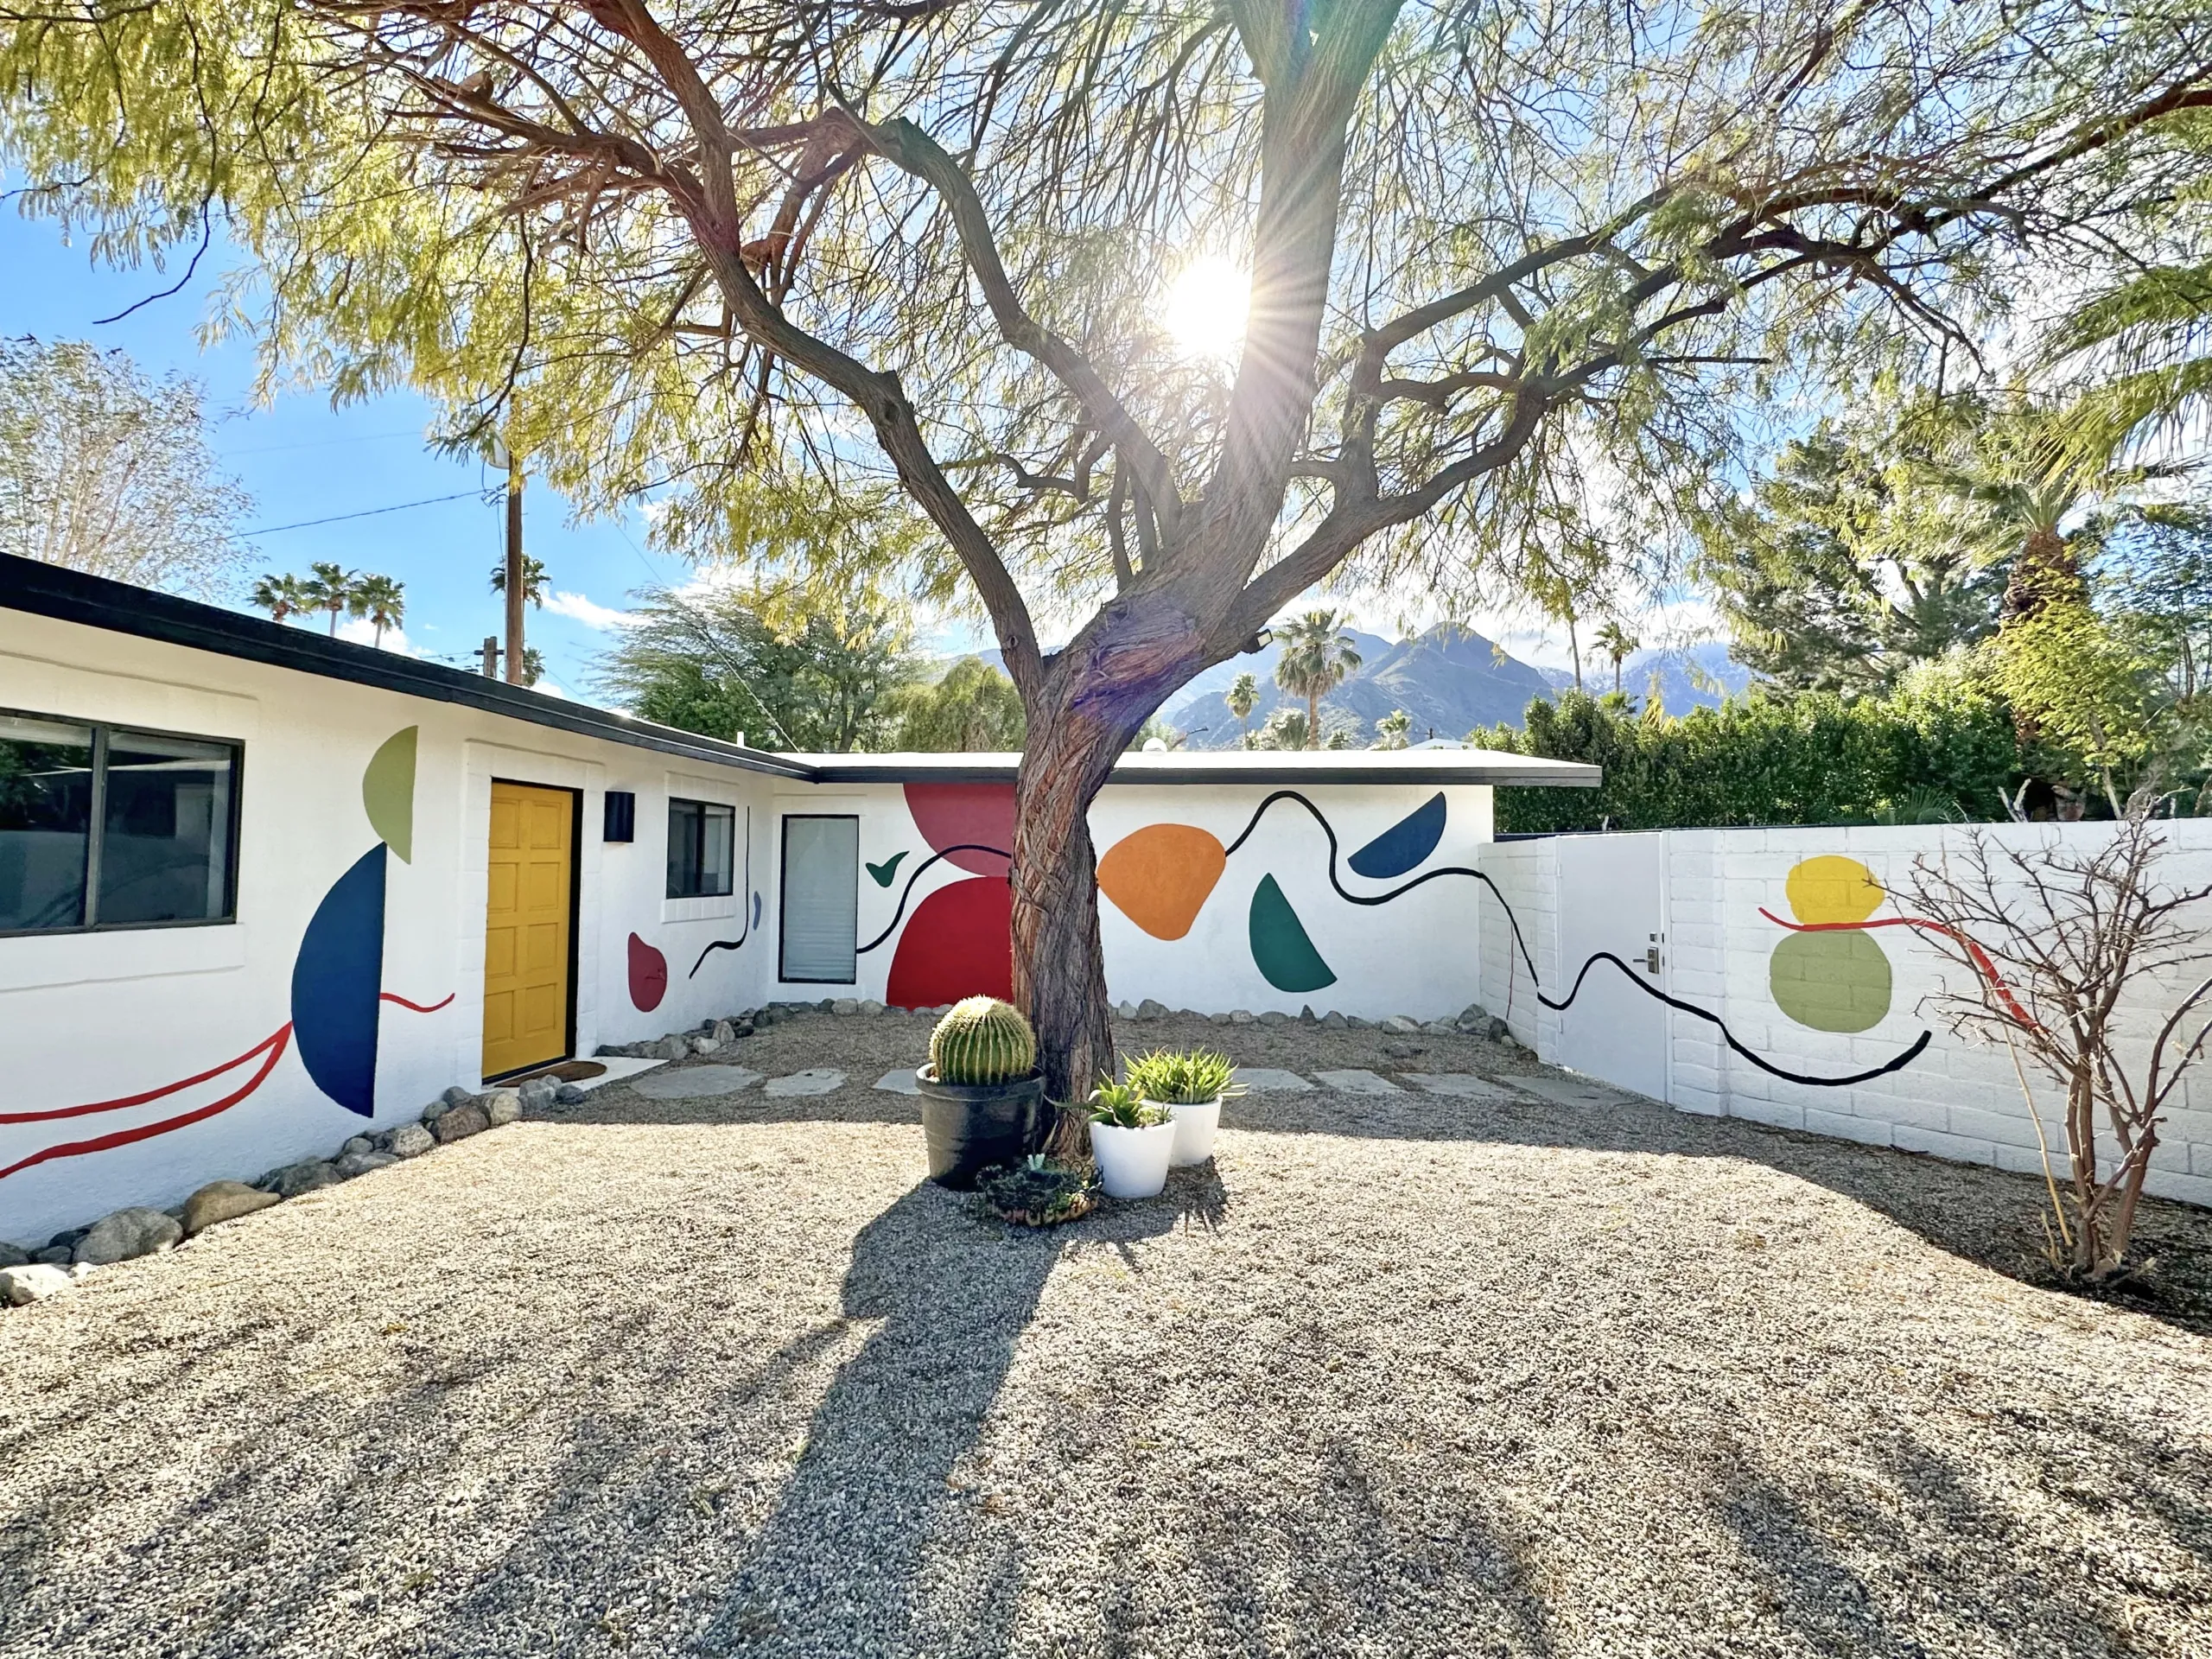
[1160,875]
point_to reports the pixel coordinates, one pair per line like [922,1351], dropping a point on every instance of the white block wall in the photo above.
[1957,1100]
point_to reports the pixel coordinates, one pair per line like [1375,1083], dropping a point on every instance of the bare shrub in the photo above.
[2052,938]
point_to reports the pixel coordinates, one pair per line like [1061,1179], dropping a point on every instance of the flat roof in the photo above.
[1230,766]
[40,589]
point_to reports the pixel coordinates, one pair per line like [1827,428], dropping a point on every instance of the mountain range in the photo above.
[1449,680]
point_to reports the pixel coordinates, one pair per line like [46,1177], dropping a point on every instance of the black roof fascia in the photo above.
[65,595]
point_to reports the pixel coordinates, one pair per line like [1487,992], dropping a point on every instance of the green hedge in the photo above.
[1940,751]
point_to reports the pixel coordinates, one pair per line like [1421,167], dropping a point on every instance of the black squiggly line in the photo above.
[737,943]
[1896,1063]
[914,875]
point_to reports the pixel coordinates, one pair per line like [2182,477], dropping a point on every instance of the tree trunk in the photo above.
[1312,720]
[2045,573]
[1059,968]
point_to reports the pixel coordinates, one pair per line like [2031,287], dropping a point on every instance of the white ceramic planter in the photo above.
[1132,1163]
[1194,1129]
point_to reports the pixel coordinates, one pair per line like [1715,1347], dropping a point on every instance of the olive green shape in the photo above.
[983,1039]
[1831,979]
[388,792]
[1281,948]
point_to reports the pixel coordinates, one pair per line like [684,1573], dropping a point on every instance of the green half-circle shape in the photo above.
[1281,948]
[388,792]
[1831,980]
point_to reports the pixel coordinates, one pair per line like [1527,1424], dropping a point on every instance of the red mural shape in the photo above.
[959,943]
[648,975]
[976,817]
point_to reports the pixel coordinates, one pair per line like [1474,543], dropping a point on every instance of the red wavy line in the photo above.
[1983,965]
[417,1008]
[151,1094]
[276,1045]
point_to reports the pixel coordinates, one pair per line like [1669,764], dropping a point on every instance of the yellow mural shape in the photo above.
[1160,876]
[1832,889]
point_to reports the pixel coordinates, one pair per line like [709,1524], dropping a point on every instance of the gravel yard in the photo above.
[1402,1374]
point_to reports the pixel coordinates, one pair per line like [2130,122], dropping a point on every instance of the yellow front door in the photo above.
[526,928]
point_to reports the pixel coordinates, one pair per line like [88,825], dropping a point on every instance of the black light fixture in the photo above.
[621,815]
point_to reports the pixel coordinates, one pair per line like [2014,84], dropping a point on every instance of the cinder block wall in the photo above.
[1955,1099]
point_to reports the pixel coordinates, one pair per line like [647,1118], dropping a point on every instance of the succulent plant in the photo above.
[1185,1077]
[1037,1193]
[1123,1105]
[982,1040]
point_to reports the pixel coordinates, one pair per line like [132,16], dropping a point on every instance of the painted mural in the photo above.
[752,914]
[337,994]
[959,941]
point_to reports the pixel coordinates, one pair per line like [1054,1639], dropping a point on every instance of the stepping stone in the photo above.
[695,1082]
[900,1082]
[1570,1091]
[816,1080]
[1267,1080]
[1465,1085]
[1356,1082]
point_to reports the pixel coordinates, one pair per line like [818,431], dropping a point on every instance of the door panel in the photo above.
[526,932]
[1612,897]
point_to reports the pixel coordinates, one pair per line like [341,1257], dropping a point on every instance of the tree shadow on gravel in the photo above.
[834,1569]
[1988,1216]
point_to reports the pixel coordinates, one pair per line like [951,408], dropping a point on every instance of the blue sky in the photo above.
[303,460]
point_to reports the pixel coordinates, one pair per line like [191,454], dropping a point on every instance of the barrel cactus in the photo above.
[982,1040]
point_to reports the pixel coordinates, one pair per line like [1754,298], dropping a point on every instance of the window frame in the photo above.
[704,807]
[96,827]
[783,907]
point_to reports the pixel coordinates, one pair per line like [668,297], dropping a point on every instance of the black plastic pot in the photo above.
[970,1126]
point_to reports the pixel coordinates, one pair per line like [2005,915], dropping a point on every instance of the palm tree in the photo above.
[384,601]
[280,595]
[334,588]
[1243,698]
[1394,730]
[1316,656]
[1286,729]
[533,581]
[1617,642]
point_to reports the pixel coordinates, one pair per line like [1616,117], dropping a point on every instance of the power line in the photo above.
[365,512]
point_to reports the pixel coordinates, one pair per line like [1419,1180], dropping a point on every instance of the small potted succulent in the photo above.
[1132,1139]
[980,1090]
[1191,1083]
[1036,1192]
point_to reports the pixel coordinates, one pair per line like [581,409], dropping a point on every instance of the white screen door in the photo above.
[821,898]
[1612,897]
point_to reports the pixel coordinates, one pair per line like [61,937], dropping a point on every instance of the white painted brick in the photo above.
[2189,1189]
[1931,1116]
[1689,1075]
[1700,1104]
[2171,1155]
[2199,1155]
[1695,985]
[2026,1160]
[1780,1114]
[2013,1130]
[1957,1147]
[1847,1127]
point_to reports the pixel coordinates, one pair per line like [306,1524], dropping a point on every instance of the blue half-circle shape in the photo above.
[335,985]
[1281,950]
[1404,844]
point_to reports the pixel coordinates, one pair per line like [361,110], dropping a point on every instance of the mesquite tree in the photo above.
[2057,944]
[1514,273]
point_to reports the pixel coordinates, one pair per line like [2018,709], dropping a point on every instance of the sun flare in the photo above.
[1205,311]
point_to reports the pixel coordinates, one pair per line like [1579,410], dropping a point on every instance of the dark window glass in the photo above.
[702,841]
[165,848]
[46,818]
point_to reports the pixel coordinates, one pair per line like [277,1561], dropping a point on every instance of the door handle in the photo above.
[1651,962]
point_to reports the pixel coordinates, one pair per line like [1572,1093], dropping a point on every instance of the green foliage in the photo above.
[1037,1193]
[1123,1105]
[1286,729]
[1184,1077]
[107,470]
[982,1040]
[1394,730]
[2083,692]
[1815,758]
[973,709]
[1244,696]
[1848,563]
[709,660]
[533,580]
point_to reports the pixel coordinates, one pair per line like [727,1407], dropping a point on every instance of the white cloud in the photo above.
[358,629]
[578,608]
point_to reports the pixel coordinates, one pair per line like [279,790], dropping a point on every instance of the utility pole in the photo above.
[515,583]
[491,656]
